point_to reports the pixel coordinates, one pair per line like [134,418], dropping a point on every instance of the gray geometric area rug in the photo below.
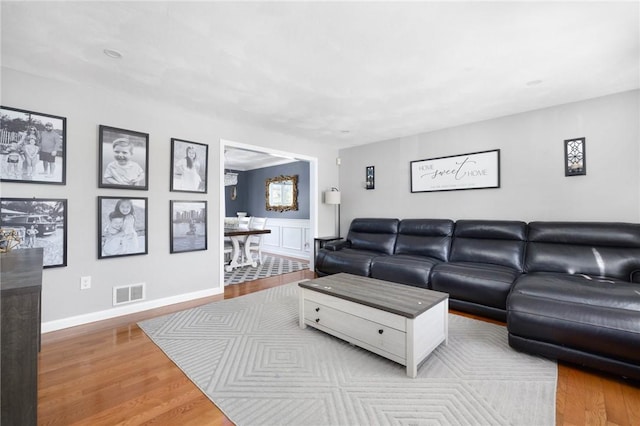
[271,265]
[249,356]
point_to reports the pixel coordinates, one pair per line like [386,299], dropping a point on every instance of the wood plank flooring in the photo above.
[110,373]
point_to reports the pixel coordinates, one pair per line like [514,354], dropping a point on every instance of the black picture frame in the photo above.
[370,177]
[22,164]
[131,169]
[575,157]
[122,231]
[188,227]
[189,174]
[47,216]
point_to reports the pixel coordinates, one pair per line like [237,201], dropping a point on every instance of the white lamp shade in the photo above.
[332,197]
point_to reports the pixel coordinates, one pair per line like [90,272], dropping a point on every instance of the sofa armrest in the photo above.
[337,245]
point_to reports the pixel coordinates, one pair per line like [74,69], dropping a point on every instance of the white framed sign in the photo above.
[475,170]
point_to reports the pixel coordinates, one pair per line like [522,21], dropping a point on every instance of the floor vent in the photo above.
[128,293]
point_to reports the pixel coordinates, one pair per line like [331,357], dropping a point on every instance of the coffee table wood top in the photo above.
[399,299]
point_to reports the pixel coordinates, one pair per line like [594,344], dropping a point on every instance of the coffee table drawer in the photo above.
[361,331]
[381,317]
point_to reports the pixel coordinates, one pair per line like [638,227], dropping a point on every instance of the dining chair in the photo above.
[255,241]
[228,250]
[244,222]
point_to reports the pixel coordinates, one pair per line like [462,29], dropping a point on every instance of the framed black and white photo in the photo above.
[575,157]
[122,226]
[33,147]
[188,226]
[123,159]
[189,164]
[38,222]
[476,170]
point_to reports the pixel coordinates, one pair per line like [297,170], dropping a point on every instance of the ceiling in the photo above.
[244,159]
[340,73]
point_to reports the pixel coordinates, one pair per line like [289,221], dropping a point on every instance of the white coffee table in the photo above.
[399,322]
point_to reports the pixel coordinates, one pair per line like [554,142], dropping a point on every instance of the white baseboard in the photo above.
[125,310]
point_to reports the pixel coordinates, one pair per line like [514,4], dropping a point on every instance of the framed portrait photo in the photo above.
[188,226]
[123,159]
[189,164]
[33,147]
[122,226]
[37,222]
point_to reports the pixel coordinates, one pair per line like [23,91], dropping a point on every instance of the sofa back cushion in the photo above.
[373,234]
[601,249]
[425,237]
[498,242]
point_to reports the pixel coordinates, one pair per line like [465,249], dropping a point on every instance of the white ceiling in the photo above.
[342,73]
[243,159]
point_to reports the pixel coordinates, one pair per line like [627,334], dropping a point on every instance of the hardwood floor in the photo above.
[110,373]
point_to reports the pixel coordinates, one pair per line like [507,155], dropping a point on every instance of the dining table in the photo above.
[239,259]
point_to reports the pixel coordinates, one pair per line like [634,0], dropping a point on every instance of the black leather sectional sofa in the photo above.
[567,290]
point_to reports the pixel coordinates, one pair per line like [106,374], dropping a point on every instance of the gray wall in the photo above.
[231,207]
[250,194]
[533,184]
[169,277]
[256,179]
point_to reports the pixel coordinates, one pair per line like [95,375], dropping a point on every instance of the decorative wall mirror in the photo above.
[282,193]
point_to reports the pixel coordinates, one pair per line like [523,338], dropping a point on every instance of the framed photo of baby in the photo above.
[124,159]
[189,166]
[33,147]
[122,226]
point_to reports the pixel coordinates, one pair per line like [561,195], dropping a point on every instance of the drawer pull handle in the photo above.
[317,309]
[317,319]
[380,331]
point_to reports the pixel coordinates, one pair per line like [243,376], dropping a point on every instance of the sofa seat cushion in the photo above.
[590,314]
[479,283]
[404,269]
[351,261]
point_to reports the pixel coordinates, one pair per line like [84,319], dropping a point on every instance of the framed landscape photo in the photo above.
[33,147]
[188,226]
[123,159]
[122,226]
[476,170]
[38,222]
[189,164]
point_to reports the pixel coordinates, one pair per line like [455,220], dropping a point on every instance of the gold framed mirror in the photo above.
[281,193]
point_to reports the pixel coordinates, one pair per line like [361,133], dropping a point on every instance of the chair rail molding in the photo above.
[288,237]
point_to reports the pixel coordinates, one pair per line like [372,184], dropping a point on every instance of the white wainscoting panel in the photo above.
[288,237]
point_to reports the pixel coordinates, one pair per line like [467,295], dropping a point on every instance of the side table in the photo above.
[319,242]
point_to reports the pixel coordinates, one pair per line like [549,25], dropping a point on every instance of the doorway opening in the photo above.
[239,157]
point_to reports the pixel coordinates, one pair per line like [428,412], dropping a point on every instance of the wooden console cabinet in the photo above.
[21,285]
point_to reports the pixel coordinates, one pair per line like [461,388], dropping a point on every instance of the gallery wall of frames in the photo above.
[33,150]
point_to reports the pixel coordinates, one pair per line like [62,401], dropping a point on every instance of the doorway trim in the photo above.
[313,194]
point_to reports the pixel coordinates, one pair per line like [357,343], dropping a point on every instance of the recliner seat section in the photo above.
[486,258]
[420,245]
[367,238]
[579,300]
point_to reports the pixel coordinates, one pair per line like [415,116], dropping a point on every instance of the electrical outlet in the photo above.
[85,283]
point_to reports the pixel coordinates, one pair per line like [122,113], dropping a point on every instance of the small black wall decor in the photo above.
[370,182]
[575,157]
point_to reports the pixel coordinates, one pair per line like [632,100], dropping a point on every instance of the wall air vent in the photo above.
[128,293]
